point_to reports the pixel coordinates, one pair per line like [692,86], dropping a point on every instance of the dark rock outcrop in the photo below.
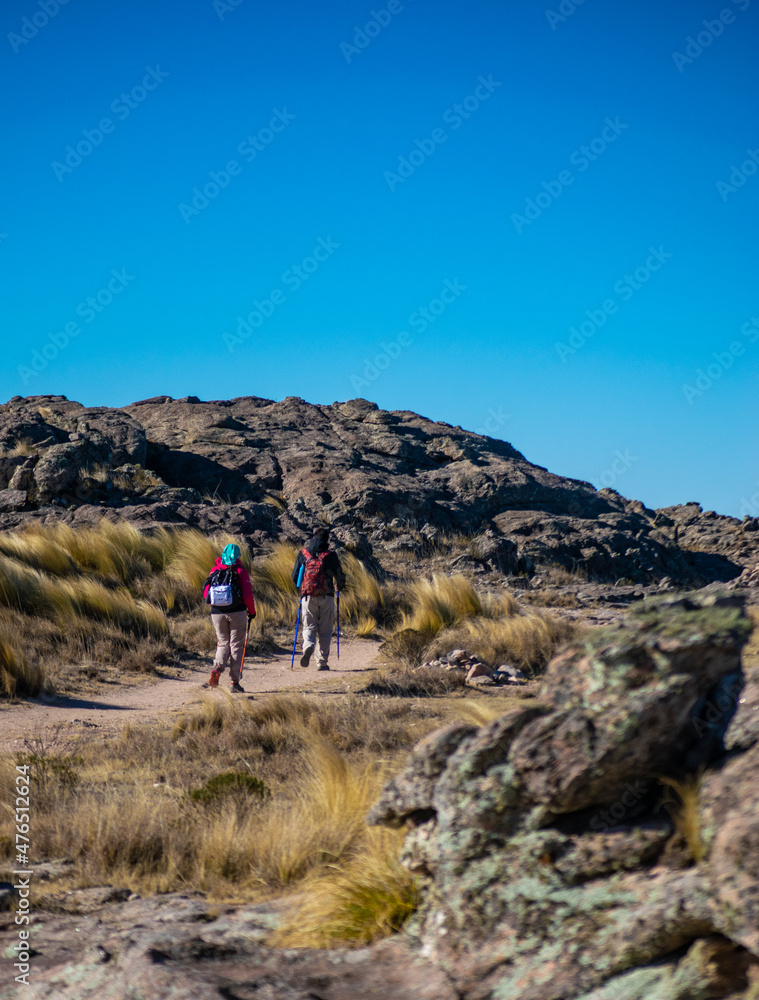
[275,469]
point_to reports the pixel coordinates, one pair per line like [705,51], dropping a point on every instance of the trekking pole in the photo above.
[297,620]
[245,647]
[338,623]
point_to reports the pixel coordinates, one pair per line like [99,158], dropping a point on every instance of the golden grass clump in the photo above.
[17,676]
[193,554]
[683,808]
[364,598]
[33,593]
[293,781]
[528,641]
[38,551]
[362,900]
[366,627]
[24,446]
[444,601]
[273,588]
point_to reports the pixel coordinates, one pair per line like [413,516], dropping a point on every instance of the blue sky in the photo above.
[399,206]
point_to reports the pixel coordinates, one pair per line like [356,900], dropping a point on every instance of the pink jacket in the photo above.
[244,581]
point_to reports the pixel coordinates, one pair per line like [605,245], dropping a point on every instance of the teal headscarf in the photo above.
[230,555]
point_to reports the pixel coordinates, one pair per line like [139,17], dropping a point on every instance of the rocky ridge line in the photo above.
[267,470]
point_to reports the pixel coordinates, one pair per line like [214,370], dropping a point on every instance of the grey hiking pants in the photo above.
[230,639]
[318,619]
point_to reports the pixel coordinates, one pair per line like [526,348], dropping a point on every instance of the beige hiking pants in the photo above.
[230,638]
[318,619]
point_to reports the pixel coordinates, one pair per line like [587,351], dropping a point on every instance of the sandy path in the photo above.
[148,702]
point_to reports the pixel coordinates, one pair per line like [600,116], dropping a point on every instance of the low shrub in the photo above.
[229,784]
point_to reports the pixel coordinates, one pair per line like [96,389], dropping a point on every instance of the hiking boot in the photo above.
[323,667]
[237,688]
[213,680]
[306,658]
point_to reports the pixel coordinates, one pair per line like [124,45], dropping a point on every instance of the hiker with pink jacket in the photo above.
[230,594]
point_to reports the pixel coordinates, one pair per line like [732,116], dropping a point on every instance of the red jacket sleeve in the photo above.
[207,585]
[247,590]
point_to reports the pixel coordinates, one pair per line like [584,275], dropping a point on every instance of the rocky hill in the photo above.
[384,480]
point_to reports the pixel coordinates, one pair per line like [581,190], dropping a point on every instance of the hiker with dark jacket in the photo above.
[322,572]
[230,595]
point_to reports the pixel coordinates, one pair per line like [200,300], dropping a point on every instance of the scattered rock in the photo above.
[12,499]
[478,671]
[481,680]
[508,674]
[7,896]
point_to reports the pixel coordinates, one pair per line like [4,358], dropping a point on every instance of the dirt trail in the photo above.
[146,703]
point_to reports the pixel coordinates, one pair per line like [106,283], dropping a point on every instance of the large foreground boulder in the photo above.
[541,839]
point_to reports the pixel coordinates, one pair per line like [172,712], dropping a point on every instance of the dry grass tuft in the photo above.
[528,641]
[683,808]
[366,628]
[23,447]
[360,901]
[17,676]
[275,593]
[399,680]
[445,601]
[282,789]
[552,599]
[560,576]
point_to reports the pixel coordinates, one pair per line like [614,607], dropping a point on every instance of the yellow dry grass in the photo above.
[445,601]
[684,810]
[274,590]
[123,813]
[131,582]
[367,897]
[31,592]
[528,640]
[17,676]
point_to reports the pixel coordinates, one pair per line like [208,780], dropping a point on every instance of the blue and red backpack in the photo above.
[315,582]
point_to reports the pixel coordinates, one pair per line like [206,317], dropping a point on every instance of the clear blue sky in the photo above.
[331,114]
